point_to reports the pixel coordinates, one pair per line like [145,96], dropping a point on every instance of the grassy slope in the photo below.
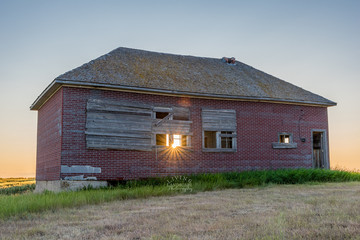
[21,205]
[306,211]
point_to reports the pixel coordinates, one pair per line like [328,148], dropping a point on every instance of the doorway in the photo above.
[319,145]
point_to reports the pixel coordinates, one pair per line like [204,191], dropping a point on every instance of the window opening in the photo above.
[210,139]
[226,142]
[173,140]
[184,140]
[162,139]
[161,115]
[176,141]
[284,138]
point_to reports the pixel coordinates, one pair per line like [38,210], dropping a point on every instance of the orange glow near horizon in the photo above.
[318,53]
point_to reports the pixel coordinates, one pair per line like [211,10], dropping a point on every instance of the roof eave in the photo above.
[45,95]
[57,83]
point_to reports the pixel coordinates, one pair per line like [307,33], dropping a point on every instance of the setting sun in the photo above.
[177,141]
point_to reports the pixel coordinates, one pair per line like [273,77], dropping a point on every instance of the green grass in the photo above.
[21,205]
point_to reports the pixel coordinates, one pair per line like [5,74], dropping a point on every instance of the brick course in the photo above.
[258,125]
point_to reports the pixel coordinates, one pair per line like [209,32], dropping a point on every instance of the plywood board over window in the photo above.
[172,125]
[171,120]
[118,125]
[219,130]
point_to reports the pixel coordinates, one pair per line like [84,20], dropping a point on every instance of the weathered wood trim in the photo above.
[228,135]
[174,132]
[163,109]
[49,91]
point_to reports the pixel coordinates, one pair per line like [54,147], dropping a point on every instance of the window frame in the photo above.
[284,145]
[219,137]
[170,139]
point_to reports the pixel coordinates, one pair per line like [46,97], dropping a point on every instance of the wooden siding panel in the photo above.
[181,112]
[118,125]
[173,127]
[219,120]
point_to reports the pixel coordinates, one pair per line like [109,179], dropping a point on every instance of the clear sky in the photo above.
[312,44]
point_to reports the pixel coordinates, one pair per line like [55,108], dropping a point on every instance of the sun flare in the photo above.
[176,141]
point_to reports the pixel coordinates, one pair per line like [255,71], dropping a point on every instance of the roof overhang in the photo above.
[58,83]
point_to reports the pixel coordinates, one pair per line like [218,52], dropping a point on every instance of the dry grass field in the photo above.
[322,211]
[15,182]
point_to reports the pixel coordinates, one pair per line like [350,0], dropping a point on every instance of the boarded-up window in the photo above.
[118,125]
[171,120]
[219,128]
[134,126]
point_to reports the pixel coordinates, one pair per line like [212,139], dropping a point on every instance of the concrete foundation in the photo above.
[65,185]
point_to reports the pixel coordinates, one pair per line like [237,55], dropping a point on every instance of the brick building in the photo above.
[135,114]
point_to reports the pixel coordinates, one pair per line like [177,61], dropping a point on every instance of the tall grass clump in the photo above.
[23,204]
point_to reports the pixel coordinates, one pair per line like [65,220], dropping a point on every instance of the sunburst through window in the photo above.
[173,140]
[176,140]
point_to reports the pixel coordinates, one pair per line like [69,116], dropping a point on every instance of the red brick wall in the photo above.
[48,157]
[258,126]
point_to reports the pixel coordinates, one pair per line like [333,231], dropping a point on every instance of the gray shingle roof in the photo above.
[186,75]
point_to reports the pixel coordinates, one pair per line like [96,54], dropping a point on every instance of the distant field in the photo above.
[15,182]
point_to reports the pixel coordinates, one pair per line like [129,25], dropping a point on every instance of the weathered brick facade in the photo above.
[258,125]
[49,134]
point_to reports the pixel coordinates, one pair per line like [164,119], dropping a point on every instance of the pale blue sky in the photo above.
[313,44]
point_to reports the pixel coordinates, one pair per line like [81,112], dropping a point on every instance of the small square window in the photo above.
[284,138]
[285,141]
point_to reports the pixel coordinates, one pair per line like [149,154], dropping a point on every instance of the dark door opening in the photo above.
[318,150]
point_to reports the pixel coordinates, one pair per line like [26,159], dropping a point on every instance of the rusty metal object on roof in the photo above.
[229,60]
